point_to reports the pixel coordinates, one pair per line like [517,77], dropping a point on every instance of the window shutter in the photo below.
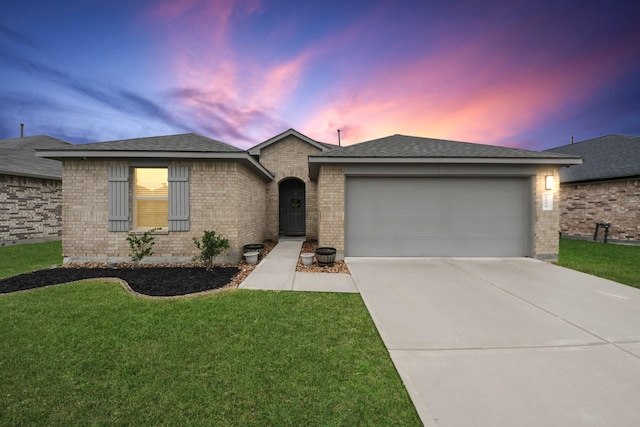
[118,198]
[178,198]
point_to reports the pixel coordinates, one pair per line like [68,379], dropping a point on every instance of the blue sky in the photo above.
[515,73]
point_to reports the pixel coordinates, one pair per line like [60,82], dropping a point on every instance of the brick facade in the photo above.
[289,158]
[615,202]
[242,206]
[546,223]
[223,197]
[331,194]
[30,209]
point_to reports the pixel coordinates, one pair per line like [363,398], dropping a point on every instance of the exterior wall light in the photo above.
[548,182]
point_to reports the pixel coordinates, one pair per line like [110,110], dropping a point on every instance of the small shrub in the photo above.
[141,245]
[210,247]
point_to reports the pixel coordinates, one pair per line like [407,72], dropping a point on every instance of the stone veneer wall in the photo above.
[616,202]
[289,158]
[30,209]
[220,196]
[331,193]
[546,226]
[331,196]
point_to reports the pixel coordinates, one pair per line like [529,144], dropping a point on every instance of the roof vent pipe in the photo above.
[572,140]
[339,138]
[21,130]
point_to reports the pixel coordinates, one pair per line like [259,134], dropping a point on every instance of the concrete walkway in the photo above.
[277,272]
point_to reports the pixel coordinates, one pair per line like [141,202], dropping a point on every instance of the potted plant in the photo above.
[251,257]
[254,247]
[325,255]
[307,259]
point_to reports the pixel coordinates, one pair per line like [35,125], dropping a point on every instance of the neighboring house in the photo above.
[30,190]
[604,189]
[394,196]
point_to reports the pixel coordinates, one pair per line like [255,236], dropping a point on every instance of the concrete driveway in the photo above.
[507,342]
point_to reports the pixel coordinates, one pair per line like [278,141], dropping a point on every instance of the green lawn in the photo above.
[92,354]
[18,259]
[615,262]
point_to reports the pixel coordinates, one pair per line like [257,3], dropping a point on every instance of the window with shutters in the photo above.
[160,197]
[151,198]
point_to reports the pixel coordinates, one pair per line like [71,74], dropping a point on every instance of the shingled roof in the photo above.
[402,149]
[188,142]
[182,146]
[606,157]
[402,146]
[19,157]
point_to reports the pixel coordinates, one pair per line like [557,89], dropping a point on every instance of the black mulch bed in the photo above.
[153,281]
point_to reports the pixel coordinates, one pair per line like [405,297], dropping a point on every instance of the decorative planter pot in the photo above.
[325,256]
[307,259]
[251,257]
[254,247]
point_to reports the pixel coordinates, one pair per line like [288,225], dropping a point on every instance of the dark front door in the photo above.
[292,207]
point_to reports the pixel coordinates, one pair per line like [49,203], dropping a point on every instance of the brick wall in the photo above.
[220,193]
[289,158]
[331,187]
[252,214]
[546,227]
[615,202]
[30,208]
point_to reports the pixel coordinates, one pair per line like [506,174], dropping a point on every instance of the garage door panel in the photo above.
[437,216]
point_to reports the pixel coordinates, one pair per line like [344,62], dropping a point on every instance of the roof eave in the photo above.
[32,175]
[315,162]
[193,155]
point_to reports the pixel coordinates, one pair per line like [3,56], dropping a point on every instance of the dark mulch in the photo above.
[153,281]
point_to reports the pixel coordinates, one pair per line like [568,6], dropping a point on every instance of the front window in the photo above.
[151,198]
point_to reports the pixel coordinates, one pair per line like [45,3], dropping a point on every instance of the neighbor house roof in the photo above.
[182,146]
[413,149]
[255,151]
[19,157]
[606,157]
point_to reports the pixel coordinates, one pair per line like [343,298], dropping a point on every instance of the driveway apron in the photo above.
[504,342]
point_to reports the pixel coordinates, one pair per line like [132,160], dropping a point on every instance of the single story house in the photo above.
[605,188]
[395,196]
[30,191]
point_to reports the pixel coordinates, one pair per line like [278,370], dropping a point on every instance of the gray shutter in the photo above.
[178,198]
[118,198]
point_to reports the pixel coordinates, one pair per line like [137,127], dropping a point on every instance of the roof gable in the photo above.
[606,157]
[19,157]
[255,151]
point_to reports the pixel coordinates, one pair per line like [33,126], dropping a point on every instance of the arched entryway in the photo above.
[292,207]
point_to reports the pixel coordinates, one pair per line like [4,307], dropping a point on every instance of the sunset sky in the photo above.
[527,74]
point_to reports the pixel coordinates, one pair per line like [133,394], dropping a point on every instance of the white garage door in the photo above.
[411,217]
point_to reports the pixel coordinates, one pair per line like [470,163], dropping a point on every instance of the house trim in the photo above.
[255,151]
[315,162]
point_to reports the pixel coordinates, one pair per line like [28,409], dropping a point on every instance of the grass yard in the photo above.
[18,259]
[92,354]
[620,263]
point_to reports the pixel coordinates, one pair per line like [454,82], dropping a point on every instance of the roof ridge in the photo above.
[597,137]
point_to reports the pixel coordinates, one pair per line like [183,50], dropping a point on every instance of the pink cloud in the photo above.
[473,93]
[224,87]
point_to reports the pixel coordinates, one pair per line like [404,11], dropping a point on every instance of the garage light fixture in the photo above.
[548,182]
